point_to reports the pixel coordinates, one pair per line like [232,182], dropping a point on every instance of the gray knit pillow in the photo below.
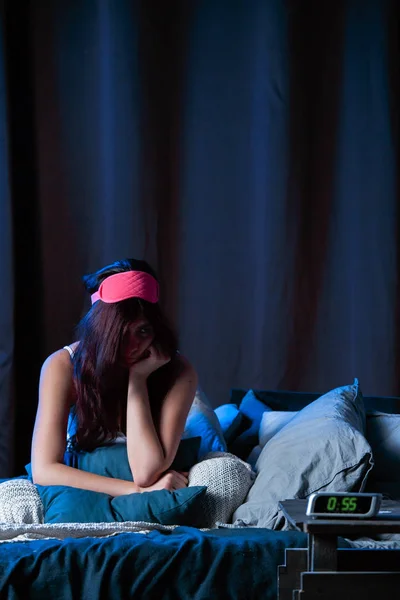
[228,480]
[20,502]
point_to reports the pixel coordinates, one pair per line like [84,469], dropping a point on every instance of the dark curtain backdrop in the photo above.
[247,149]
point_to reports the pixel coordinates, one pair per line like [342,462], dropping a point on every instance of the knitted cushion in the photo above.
[228,480]
[20,502]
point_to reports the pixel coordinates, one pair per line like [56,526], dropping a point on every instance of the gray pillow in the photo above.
[321,448]
[383,433]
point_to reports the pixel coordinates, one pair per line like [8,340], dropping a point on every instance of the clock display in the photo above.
[337,504]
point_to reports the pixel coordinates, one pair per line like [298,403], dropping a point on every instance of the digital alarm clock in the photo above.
[343,505]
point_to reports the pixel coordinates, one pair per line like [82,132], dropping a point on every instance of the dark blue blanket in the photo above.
[183,564]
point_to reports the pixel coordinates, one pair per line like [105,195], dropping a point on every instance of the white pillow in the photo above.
[273,421]
[228,480]
[20,502]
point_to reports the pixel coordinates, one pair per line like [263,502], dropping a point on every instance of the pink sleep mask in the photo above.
[129,284]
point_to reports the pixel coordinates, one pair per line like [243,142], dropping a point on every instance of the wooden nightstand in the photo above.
[324,572]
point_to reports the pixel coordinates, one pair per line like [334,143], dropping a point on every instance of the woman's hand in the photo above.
[171,480]
[152,360]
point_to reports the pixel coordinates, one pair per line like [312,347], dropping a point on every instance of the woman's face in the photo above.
[138,340]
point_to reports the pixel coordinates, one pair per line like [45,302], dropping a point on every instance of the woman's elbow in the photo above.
[42,474]
[146,477]
[37,477]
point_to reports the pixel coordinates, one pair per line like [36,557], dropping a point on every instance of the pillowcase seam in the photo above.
[182,504]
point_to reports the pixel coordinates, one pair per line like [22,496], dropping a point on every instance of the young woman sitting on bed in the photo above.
[124,377]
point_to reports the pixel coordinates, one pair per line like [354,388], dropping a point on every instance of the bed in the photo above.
[236,559]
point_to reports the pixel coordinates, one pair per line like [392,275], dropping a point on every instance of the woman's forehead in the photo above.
[139,323]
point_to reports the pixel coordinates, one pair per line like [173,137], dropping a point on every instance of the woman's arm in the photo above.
[49,437]
[152,450]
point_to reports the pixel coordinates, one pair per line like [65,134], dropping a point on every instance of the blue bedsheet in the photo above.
[183,564]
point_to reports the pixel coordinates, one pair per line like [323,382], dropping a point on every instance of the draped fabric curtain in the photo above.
[247,150]
[7,284]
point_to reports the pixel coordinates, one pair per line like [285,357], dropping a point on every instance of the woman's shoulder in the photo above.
[71,348]
[61,359]
[56,381]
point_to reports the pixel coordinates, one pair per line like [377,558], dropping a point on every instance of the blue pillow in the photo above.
[230,418]
[253,409]
[112,460]
[181,507]
[63,504]
[203,422]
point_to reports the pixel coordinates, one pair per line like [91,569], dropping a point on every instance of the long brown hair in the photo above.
[100,375]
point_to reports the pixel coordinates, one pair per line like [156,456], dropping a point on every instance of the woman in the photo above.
[123,376]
